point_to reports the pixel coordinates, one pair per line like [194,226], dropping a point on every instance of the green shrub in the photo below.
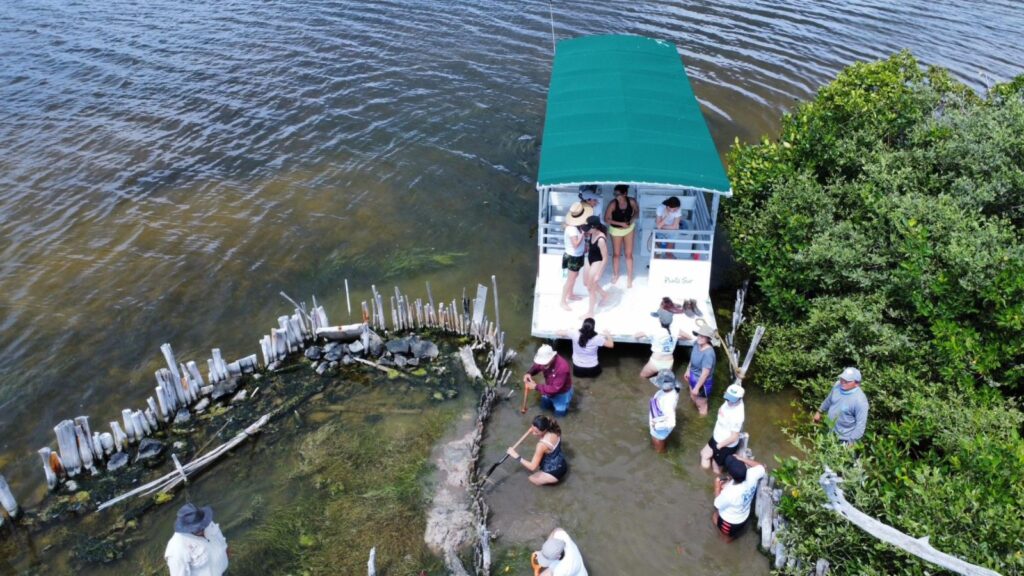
[883,229]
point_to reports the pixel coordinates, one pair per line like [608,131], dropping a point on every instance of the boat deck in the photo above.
[626,311]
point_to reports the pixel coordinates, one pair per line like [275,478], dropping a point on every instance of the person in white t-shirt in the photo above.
[734,497]
[661,413]
[558,557]
[198,547]
[572,258]
[669,216]
[585,346]
[725,440]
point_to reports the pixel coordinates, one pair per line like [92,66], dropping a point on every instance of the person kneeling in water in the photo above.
[548,463]
[734,497]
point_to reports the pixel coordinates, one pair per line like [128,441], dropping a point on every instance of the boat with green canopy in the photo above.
[621,112]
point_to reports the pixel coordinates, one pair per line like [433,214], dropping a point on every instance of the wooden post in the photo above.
[129,426]
[348,300]
[120,438]
[84,448]
[67,443]
[7,499]
[494,285]
[51,475]
[371,564]
[154,410]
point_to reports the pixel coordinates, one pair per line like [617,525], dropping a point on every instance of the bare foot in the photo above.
[629,283]
[587,315]
[575,298]
[566,307]
[615,280]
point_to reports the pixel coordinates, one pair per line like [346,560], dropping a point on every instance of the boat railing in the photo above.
[551,237]
[682,244]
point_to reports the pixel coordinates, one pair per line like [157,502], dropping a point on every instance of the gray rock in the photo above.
[180,445]
[202,405]
[346,360]
[273,366]
[356,349]
[239,397]
[182,417]
[331,346]
[425,349]
[332,366]
[313,352]
[412,362]
[401,361]
[322,369]
[72,486]
[149,449]
[400,346]
[375,344]
[207,390]
[225,388]
[257,377]
[118,460]
[334,354]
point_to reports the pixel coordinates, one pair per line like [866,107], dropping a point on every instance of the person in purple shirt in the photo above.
[556,391]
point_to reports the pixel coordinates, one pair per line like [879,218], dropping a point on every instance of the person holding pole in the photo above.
[198,547]
[548,464]
[556,391]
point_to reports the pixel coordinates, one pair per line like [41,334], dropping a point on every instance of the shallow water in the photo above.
[167,168]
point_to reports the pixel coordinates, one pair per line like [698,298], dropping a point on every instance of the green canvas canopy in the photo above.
[621,110]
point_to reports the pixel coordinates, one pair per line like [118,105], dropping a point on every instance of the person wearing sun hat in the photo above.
[559,556]
[725,440]
[661,410]
[556,391]
[198,547]
[572,258]
[700,372]
[847,406]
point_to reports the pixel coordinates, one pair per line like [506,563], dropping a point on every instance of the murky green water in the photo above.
[166,168]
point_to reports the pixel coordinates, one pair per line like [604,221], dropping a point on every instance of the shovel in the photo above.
[502,461]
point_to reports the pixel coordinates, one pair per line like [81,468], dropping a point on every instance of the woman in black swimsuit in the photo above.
[548,463]
[597,256]
[621,216]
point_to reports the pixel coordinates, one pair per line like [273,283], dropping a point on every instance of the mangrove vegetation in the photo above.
[883,229]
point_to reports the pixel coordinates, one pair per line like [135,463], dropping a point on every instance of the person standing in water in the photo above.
[700,373]
[585,345]
[621,216]
[198,547]
[661,413]
[548,464]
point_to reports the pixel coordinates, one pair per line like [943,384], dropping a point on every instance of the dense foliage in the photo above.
[885,229]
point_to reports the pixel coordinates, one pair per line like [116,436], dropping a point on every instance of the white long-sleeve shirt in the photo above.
[191,555]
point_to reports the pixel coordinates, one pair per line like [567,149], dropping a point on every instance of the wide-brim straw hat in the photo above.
[706,331]
[578,214]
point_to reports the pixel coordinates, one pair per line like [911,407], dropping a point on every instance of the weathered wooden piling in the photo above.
[47,456]
[67,443]
[7,500]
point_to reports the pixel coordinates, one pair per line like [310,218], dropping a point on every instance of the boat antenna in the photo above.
[551,16]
